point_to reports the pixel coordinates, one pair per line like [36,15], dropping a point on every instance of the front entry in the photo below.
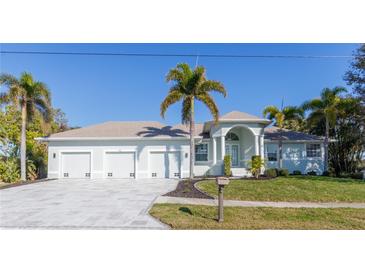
[232,150]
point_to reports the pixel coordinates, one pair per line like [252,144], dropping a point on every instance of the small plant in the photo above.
[256,164]
[312,173]
[9,171]
[271,172]
[326,173]
[227,165]
[283,172]
[297,172]
[357,175]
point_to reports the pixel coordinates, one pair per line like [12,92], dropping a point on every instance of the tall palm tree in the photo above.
[190,85]
[326,107]
[281,116]
[30,97]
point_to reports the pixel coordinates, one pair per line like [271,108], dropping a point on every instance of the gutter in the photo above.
[49,139]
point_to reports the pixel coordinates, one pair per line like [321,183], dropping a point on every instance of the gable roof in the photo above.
[273,134]
[129,129]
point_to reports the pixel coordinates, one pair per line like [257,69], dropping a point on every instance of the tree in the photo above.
[190,85]
[355,77]
[327,108]
[283,119]
[31,97]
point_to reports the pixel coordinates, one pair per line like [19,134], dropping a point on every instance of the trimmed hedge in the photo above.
[283,172]
[227,165]
[312,173]
[271,172]
[297,172]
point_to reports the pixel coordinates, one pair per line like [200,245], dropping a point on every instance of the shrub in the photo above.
[357,175]
[256,164]
[297,172]
[9,171]
[271,172]
[283,172]
[312,173]
[345,175]
[227,165]
[326,173]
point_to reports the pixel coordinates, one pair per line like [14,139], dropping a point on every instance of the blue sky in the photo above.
[94,89]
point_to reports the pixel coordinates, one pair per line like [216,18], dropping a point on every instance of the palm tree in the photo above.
[281,117]
[30,97]
[326,107]
[190,85]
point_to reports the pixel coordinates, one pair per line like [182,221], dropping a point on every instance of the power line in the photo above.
[177,55]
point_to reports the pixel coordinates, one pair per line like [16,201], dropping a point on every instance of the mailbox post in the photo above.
[221,182]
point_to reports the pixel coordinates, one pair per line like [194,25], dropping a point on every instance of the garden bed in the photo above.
[9,185]
[186,189]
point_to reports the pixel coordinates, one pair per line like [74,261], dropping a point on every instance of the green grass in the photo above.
[204,217]
[292,188]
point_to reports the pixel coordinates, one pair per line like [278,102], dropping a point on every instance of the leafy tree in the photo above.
[31,97]
[355,77]
[327,108]
[347,151]
[190,85]
[283,118]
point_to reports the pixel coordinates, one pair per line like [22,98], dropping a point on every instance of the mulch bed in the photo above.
[186,189]
[24,183]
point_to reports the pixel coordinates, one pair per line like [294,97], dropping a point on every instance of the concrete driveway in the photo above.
[75,204]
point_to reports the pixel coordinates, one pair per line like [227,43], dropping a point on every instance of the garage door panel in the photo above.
[76,164]
[120,164]
[165,164]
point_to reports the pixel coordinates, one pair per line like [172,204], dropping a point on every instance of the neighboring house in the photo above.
[153,150]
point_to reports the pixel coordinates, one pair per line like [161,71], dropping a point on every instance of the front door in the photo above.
[232,150]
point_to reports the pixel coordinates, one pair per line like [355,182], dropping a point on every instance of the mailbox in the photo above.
[222,181]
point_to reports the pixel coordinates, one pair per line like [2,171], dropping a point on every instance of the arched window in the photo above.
[231,136]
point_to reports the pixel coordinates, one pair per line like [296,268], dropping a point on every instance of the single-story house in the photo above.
[154,150]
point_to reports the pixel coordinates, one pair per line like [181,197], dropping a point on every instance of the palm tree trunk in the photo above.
[280,148]
[192,130]
[325,165]
[23,151]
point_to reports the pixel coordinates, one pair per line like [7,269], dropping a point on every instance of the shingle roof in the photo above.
[273,134]
[238,115]
[149,129]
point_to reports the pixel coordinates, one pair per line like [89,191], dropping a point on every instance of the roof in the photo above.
[129,129]
[272,134]
[238,115]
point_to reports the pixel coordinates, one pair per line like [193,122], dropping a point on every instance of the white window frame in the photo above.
[277,154]
[313,157]
[202,161]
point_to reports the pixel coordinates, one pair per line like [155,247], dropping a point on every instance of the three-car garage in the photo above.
[120,164]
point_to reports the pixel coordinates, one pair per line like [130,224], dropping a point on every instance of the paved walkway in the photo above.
[211,202]
[83,204]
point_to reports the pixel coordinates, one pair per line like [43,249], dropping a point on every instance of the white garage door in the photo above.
[76,164]
[165,164]
[119,165]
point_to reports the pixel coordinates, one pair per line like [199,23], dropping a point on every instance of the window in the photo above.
[271,153]
[313,150]
[201,152]
[232,137]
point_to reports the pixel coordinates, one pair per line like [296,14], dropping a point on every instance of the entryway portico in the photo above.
[239,139]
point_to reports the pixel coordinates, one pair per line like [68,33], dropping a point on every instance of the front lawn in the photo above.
[291,189]
[204,217]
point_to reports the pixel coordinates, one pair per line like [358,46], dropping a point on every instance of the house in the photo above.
[154,150]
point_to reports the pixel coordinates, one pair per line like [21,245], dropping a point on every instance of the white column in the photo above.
[214,151]
[223,147]
[262,147]
[257,144]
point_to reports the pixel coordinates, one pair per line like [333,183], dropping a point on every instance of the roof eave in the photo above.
[50,139]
